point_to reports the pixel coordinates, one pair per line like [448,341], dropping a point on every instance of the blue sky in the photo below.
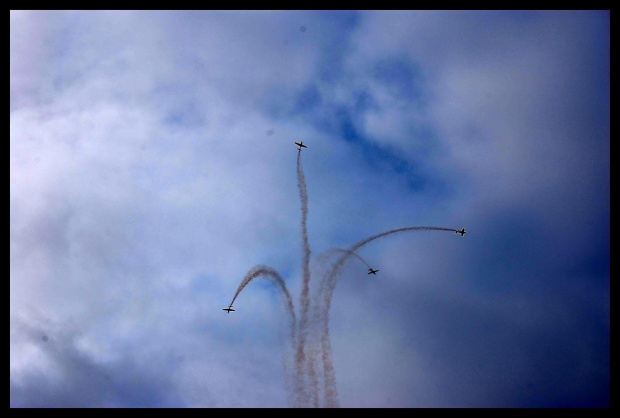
[152,166]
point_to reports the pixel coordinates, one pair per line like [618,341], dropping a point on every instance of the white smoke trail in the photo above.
[334,251]
[313,345]
[273,276]
[301,355]
[326,291]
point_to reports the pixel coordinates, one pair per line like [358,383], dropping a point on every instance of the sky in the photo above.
[152,166]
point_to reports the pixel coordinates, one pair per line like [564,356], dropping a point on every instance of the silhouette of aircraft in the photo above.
[371,271]
[300,145]
[229,309]
[462,232]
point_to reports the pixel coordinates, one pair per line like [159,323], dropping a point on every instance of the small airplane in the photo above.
[462,232]
[300,145]
[230,308]
[371,271]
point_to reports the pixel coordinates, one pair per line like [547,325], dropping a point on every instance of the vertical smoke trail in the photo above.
[311,354]
[329,375]
[313,346]
[300,357]
[326,291]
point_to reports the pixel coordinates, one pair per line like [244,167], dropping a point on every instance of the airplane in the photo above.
[371,271]
[300,145]
[462,232]
[228,309]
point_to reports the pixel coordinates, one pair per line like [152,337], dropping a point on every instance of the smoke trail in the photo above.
[304,358]
[274,277]
[312,353]
[329,253]
[300,357]
[312,345]
[326,291]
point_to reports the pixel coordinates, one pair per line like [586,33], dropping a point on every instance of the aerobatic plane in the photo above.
[300,145]
[371,271]
[229,309]
[462,232]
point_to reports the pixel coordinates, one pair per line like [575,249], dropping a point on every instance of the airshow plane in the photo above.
[230,308]
[371,271]
[462,232]
[300,145]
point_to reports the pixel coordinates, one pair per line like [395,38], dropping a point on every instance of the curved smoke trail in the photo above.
[326,291]
[313,349]
[349,252]
[300,356]
[274,277]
